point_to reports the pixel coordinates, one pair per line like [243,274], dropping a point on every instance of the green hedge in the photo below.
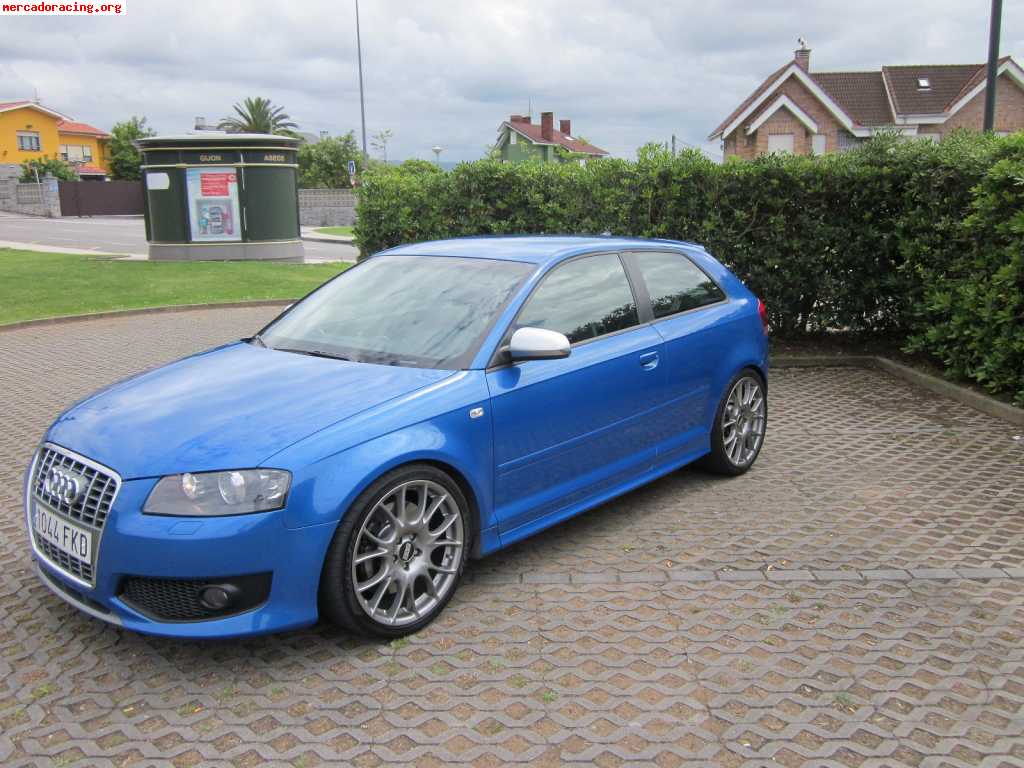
[917,239]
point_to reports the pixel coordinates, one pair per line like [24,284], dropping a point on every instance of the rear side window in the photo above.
[583,299]
[675,283]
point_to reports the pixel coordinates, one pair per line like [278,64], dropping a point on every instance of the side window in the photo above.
[585,298]
[675,283]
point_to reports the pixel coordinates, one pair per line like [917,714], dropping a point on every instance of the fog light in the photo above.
[217,597]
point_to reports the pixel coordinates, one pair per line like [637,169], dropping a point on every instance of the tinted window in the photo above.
[675,283]
[428,311]
[585,298]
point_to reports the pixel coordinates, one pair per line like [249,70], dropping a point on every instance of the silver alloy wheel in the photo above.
[743,420]
[407,553]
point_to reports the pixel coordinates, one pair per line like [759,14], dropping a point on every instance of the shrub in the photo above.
[911,239]
[972,307]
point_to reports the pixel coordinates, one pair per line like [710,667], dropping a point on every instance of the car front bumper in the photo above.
[186,551]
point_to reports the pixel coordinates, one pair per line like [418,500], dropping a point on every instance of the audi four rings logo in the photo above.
[64,485]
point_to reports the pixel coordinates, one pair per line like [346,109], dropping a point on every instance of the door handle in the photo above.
[649,361]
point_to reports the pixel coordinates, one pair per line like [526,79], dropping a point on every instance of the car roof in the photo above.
[533,249]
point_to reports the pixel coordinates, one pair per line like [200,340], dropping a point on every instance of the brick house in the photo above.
[805,112]
[519,139]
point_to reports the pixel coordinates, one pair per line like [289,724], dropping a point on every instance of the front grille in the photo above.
[92,506]
[90,509]
[64,561]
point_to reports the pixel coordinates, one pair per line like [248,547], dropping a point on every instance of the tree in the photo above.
[124,155]
[258,115]
[379,141]
[43,166]
[324,165]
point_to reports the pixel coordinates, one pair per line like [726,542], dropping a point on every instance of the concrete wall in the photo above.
[327,207]
[33,199]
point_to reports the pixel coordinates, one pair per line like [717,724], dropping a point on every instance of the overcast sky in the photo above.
[449,71]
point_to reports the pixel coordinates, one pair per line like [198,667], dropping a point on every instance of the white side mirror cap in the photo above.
[538,344]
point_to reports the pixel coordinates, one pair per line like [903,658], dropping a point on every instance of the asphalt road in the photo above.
[120,235]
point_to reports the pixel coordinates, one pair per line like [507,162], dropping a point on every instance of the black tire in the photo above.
[719,460]
[338,598]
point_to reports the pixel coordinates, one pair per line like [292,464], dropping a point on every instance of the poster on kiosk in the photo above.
[213,204]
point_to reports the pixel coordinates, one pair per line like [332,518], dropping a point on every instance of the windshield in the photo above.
[424,311]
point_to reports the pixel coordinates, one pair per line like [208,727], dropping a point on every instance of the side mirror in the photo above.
[537,344]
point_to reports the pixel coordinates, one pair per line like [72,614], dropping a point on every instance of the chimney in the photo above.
[200,123]
[519,119]
[547,125]
[802,55]
[564,126]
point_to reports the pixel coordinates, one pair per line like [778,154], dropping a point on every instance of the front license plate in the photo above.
[66,537]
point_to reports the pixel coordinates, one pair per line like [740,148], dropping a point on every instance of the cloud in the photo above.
[448,73]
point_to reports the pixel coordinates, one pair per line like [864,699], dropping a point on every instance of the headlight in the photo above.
[209,494]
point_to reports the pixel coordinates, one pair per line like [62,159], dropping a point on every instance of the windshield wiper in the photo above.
[313,353]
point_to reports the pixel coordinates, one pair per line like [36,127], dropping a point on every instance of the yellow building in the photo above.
[30,131]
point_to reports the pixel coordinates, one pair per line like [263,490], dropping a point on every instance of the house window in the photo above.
[75,153]
[846,141]
[818,142]
[513,137]
[924,84]
[780,142]
[28,141]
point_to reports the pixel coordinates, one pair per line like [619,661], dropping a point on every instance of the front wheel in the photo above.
[397,555]
[738,430]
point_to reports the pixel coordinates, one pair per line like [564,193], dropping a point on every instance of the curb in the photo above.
[145,311]
[976,400]
[330,239]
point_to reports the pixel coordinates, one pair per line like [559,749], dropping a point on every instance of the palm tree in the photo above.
[258,115]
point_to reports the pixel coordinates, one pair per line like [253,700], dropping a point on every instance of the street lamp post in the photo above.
[437,154]
[362,103]
[993,64]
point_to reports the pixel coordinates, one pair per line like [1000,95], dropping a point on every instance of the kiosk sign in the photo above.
[213,204]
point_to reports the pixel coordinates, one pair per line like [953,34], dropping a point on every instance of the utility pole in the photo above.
[993,64]
[362,102]
[673,145]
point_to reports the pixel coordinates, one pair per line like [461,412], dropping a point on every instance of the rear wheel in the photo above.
[738,431]
[398,554]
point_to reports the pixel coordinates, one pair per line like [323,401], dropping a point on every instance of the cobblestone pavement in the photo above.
[855,600]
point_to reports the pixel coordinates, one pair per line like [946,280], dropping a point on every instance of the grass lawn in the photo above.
[342,231]
[35,285]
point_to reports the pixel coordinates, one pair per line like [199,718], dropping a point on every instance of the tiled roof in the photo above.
[69,126]
[974,81]
[90,170]
[865,96]
[532,131]
[861,95]
[19,103]
[945,81]
[751,98]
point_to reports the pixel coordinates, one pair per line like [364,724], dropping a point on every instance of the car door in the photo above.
[568,429]
[688,309]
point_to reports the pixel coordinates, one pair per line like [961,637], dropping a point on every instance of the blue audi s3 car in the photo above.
[434,403]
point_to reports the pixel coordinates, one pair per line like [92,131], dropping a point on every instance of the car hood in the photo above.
[228,408]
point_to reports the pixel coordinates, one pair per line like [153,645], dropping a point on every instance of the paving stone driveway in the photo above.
[857,599]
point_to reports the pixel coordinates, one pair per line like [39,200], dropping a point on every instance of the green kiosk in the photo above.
[221,196]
